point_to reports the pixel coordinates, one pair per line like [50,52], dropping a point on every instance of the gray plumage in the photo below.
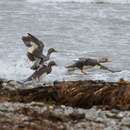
[43,59]
[35,46]
[89,62]
[41,70]
[47,57]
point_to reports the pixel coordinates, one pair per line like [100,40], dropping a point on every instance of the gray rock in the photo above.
[126,121]
[111,128]
[109,114]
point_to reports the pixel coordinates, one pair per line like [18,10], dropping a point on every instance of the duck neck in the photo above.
[49,68]
[49,54]
[101,61]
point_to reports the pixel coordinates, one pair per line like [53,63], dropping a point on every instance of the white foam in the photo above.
[20,70]
[100,77]
[16,70]
[125,74]
[86,1]
[58,73]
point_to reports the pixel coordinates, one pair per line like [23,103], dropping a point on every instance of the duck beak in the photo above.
[55,51]
[109,61]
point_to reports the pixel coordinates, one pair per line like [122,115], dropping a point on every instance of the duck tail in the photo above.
[28,79]
[71,66]
[106,68]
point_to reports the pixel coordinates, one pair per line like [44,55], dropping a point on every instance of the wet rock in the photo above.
[111,115]
[91,115]
[59,107]
[120,115]
[111,128]
[39,116]
[84,94]
[126,122]
[76,116]
[125,128]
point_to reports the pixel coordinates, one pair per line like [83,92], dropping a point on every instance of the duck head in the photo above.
[52,63]
[104,60]
[51,50]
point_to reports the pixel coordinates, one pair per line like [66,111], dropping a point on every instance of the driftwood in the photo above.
[82,94]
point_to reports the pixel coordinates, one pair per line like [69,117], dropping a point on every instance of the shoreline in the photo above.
[65,105]
[81,94]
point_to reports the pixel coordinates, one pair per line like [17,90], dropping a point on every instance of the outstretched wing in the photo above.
[36,41]
[26,41]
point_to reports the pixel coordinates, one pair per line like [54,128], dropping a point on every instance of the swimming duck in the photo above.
[81,62]
[41,70]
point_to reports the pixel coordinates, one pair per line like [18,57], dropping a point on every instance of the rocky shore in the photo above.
[68,105]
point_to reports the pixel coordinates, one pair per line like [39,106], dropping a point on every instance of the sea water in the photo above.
[75,28]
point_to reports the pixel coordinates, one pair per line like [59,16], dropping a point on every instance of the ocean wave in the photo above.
[86,1]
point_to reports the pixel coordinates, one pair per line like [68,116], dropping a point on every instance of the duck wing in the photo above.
[79,64]
[36,41]
[90,62]
[27,41]
[41,70]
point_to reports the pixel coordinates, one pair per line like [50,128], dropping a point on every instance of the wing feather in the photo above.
[36,41]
